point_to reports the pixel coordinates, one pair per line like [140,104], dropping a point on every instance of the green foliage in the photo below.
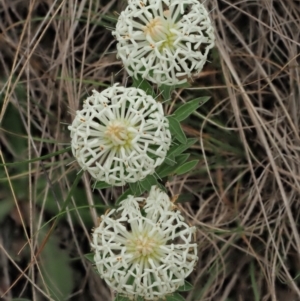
[78,195]
[186,167]
[175,155]
[180,159]
[70,194]
[180,148]
[188,108]
[185,197]
[124,196]
[174,297]
[6,206]
[148,182]
[11,130]
[107,21]
[12,122]
[144,85]
[90,257]
[178,169]
[186,287]
[65,150]
[136,189]
[176,130]
[101,185]
[55,269]
[254,283]
[166,92]
[165,170]
[170,160]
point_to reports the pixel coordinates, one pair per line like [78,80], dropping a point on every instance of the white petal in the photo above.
[139,255]
[116,133]
[164,47]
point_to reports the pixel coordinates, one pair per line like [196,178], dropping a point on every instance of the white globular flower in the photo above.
[164,41]
[120,136]
[144,248]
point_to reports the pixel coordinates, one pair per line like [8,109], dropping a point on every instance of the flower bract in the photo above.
[164,41]
[120,136]
[144,248]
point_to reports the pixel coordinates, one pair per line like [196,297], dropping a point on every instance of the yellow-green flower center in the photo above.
[159,29]
[117,134]
[143,246]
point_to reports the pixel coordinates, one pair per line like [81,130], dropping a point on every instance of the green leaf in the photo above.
[79,197]
[170,160]
[90,257]
[143,84]
[165,170]
[181,159]
[186,167]
[186,287]
[12,122]
[174,297]
[112,18]
[102,185]
[136,189]
[121,298]
[254,282]
[183,86]
[166,91]
[55,268]
[39,158]
[185,198]
[20,299]
[124,195]
[69,197]
[6,205]
[188,108]
[148,182]
[180,148]
[176,130]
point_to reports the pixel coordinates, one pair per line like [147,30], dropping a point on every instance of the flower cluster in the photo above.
[120,136]
[144,248]
[164,41]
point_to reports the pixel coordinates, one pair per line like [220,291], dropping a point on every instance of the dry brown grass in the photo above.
[245,196]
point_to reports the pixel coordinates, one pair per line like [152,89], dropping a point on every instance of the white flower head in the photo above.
[120,136]
[164,41]
[144,248]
